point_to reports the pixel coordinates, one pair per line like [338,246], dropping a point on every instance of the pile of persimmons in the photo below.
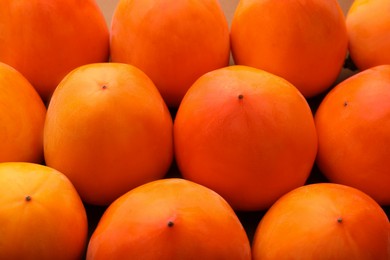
[173,126]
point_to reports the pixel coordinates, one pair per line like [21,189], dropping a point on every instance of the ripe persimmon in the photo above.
[368,23]
[245,133]
[41,214]
[22,116]
[108,130]
[302,41]
[323,221]
[353,125]
[44,40]
[169,219]
[174,42]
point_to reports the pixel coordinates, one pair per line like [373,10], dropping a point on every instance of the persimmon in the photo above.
[302,41]
[108,130]
[44,40]
[323,221]
[174,42]
[368,24]
[353,125]
[245,133]
[22,116]
[169,219]
[41,214]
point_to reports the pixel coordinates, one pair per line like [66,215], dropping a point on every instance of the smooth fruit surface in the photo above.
[353,125]
[22,116]
[108,129]
[302,41]
[45,40]
[169,219]
[174,42]
[41,214]
[245,133]
[368,24]
[323,221]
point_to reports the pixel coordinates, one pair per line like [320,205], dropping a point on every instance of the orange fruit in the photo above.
[323,221]
[303,41]
[169,219]
[41,214]
[108,129]
[353,125]
[368,24]
[22,116]
[45,40]
[245,133]
[174,42]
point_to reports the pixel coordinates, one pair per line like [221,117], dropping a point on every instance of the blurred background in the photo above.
[108,7]
[228,6]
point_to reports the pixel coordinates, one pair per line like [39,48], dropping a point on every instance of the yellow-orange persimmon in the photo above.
[174,42]
[302,41]
[245,133]
[22,116]
[109,130]
[44,40]
[323,221]
[169,219]
[353,125]
[368,23]
[41,214]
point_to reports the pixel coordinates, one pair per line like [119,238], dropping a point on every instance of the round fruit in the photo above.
[174,42]
[245,133]
[302,41]
[353,125]
[41,214]
[368,23]
[169,219]
[44,40]
[22,116]
[326,221]
[108,129]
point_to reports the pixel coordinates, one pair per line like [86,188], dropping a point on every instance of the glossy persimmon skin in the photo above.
[368,24]
[304,42]
[108,130]
[41,214]
[323,221]
[353,123]
[174,42]
[22,116]
[45,40]
[169,219]
[245,133]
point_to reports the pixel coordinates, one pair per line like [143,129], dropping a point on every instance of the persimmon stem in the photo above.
[28,198]
[241,96]
[170,223]
[339,219]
